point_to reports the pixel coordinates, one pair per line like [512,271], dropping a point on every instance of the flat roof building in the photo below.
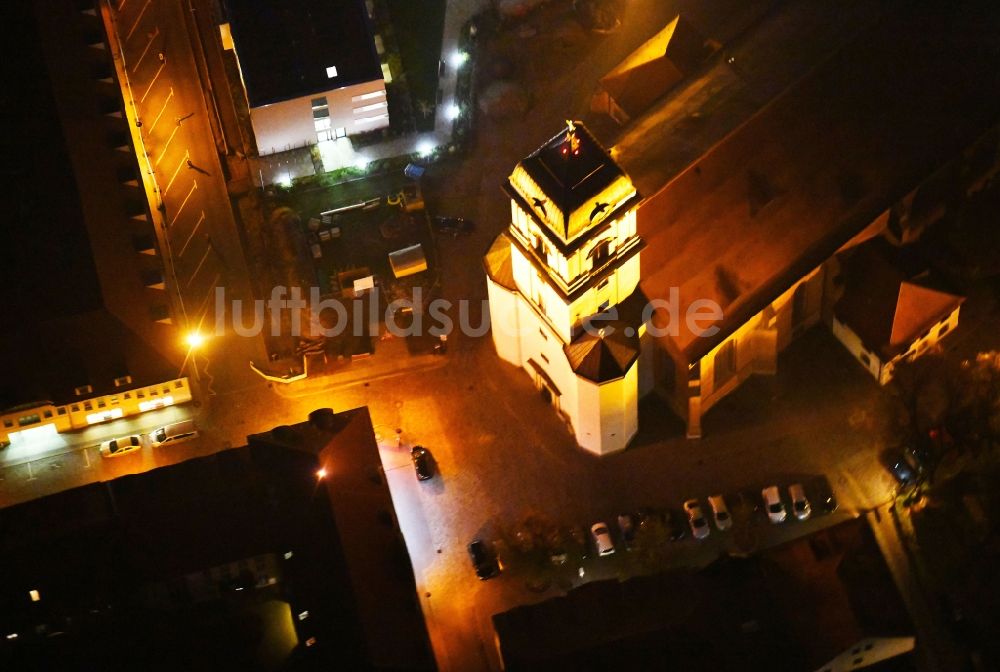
[310,69]
[91,333]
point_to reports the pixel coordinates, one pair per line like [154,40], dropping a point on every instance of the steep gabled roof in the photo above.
[883,305]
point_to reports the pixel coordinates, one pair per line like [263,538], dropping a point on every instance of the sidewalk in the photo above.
[391,359]
[935,649]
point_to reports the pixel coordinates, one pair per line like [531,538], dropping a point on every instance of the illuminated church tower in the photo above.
[563,287]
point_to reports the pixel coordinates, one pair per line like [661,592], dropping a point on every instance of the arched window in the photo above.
[601,253]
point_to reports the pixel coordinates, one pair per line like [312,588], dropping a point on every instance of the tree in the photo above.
[600,15]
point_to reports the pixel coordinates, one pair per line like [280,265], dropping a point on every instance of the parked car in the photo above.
[484,560]
[775,507]
[602,539]
[121,445]
[902,465]
[720,511]
[675,525]
[800,503]
[627,525]
[422,462]
[453,225]
[696,519]
[175,433]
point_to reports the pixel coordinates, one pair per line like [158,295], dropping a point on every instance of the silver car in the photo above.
[775,507]
[720,511]
[696,519]
[800,504]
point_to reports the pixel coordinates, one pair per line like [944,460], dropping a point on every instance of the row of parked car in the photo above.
[178,431]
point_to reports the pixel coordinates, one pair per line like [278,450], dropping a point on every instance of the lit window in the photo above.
[35,596]
[371,120]
[331,72]
[304,615]
[386,73]
[340,132]
[368,96]
[369,108]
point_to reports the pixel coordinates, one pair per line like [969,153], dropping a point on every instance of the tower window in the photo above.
[600,254]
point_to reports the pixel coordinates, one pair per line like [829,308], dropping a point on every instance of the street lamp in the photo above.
[194,340]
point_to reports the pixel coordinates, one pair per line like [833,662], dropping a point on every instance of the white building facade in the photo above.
[563,287]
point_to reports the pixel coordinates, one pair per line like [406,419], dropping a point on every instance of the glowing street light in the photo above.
[361,163]
[453,112]
[458,59]
[194,340]
[321,473]
[425,148]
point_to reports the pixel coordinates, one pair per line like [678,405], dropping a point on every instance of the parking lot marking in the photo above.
[197,225]
[163,150]
[180,209]
[198,268]
[152,81]
[137,20]
[209,295]
[184,159]
[162,109]
[152,36]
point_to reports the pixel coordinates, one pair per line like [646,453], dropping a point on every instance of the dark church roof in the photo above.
[572,177]
[285,46]
[603,352]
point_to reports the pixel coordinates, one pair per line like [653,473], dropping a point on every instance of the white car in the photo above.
[696,519]
[175,433]
[723,520]
[121,445]
[775,508]
[800,505]
[602,539]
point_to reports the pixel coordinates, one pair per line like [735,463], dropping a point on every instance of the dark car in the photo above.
[453,225]
[483,560]
[422,462]
[902,465]
[675,525]
[627,526]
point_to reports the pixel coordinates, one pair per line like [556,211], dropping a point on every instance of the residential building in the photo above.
[310,70]
[93,333]
[885,314]
[281,554]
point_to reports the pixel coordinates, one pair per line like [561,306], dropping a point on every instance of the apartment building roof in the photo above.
[286,47]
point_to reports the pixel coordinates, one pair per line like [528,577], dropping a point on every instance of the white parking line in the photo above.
[187,242]
[153,81]
[183,203]
[137,20]
[184,160]
[209,295]
[152,36]
[208,248]
[162,109]
[163,150]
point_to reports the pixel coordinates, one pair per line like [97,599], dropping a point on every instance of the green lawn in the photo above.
[418,26]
